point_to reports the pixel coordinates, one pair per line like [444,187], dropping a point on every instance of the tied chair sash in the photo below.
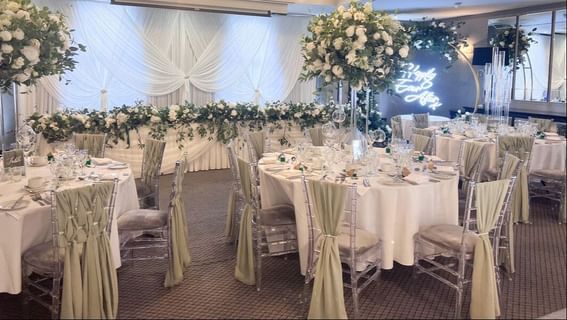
[94,143]
[508,169]
[421,120]
[257,141]
[518,146]
[484,297]
[90,287]
[180,257]
[244,270]
[542,124]
[228,227]
[327,300]
[153,154]
[421,143]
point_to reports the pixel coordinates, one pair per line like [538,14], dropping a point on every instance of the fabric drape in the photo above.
[509,168]
[421,120]
[316,135]
[484,297]
[244,271]
[256,139]
[472,153]
[421,143]
[93,143]
[90,287]
[180,257]
[153,155]
[327,301]
[521,147]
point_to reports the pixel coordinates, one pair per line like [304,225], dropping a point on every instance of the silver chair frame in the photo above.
[351,222]
[56,275]
[237,189]
[463,259]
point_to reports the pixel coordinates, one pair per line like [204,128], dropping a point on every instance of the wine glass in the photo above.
[339,115]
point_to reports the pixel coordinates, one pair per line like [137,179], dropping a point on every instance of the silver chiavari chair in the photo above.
[237,198]
[147,186]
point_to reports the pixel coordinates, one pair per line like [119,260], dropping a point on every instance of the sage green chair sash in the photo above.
[421,120]
[509,168]
[153,156]
[484,297]
[421,143]
[90,287]
[396,124]
[423,132]
[256,139]
[542,124]
[93,143]
[518,146]
[316,135]
[180,257]
[244,271]
[472,153]
[228,226]
[327,300]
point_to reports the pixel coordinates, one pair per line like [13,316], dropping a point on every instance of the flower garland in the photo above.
[220,120]
[364,47]
[506,39]
[34,42]
[439,37]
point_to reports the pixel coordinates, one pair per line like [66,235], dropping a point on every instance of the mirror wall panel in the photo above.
[558,83]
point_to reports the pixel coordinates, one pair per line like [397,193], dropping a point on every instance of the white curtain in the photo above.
[167,56]
[558,75]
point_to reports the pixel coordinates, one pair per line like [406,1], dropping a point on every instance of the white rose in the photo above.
[502,43]
[359,16]
[155,119]
[338,43]
[174,107]
[389,51]
[6,35]
[506,32]
[87,125]
[442,25]
[403,52]
[18,63]
[232,105]
[234,113]
[376,36]
[5,22]
[350,31]
[368,7]
[340,9]
[35,43]
[6,48]
[316,112]
[54,18]
[385,35]
[13,6]
[23,15]
[121,118]
[360,31]
[347,15]
[362,38]
[18,34]
[220,106]
[337,71]
[172,115]
[31,53]
[317,30]
[298,115]
[321,51]
[357,45]
[351,57]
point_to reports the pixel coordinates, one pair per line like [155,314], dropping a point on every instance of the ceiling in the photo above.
[416,9]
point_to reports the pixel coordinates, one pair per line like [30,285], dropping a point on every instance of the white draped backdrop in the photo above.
[163,57]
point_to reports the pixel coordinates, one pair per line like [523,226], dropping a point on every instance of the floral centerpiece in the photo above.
[366,48]
[437,36]
[506,39]
[34,42]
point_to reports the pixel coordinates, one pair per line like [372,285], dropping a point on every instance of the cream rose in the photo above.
[18,34]
[5,35]
[13,6]
[404,51]
[389,51]
[350,31]
[31,53]
[6,48]
[337,71]
[338,43]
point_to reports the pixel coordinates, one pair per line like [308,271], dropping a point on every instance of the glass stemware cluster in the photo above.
[68,163]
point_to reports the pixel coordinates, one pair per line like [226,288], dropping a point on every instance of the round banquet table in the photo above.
[393,212]
[408,123]
[30,226]
[546,153]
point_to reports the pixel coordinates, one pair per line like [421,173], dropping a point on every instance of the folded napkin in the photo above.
[108,176]
[417,178]
[445,169]
[270,154]
[290,174]
[268,161]
[101,161]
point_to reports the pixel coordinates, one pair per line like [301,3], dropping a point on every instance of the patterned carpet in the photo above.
[210,291]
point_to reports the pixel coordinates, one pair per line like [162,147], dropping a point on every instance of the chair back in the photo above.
[423,132]
[519,146]
[542,124]
[421,143]
[471,159]
[255,144]
[233,162]
[93,143]
[151,163]
[396,124]
[316,135]
[348,220]
[81,223]
[421,120]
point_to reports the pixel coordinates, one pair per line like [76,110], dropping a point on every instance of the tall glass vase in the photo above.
[355,140]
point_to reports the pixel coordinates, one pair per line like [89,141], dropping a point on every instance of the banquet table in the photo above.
[394,212]
[548,153]
[408,123]
[24,228]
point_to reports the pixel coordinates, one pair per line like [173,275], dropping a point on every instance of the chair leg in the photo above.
[354,285]
[55,294]
[459,300]
[258,264]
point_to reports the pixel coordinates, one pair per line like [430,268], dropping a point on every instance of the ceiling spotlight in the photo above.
[457,4]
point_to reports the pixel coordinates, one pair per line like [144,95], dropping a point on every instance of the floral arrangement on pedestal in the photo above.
[34,42]
[506,39]
[366,48]
[438,36]
[217,120]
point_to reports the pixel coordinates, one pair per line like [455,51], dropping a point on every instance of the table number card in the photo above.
[14,158]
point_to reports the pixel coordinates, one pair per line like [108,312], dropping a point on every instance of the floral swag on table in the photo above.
[440,37]
[364,47]
[506,39]
[220,120]
[34,42]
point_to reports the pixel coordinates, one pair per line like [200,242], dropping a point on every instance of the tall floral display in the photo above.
[366,48]
[34,42]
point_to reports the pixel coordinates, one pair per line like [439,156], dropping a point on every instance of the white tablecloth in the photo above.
[22,229]
[408,124]
[393,213]
[545,154]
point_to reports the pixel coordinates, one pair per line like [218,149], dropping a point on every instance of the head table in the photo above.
[392,209]
[31,225]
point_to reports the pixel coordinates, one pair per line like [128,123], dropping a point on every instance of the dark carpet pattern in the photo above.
[210,291]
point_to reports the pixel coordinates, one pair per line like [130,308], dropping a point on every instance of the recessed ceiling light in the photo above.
[457,4]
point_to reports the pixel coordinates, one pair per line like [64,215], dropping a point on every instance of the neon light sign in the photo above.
[416,84]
